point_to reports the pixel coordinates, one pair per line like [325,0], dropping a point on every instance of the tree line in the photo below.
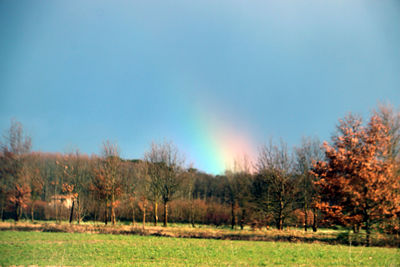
[353,181]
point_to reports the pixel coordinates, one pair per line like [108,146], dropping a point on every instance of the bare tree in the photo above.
[237,185]
[16,140]
[134,171]
[391,119]
[143,192]
[153,184]
[77,175]
[309,152]
[165,169]
[189,181]
[108,182]
[276,165]
[36,182]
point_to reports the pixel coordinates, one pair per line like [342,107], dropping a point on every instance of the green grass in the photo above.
[38,248]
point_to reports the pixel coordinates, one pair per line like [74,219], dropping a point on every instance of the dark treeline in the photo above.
[351,181]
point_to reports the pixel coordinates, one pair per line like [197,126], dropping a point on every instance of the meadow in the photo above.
[331,236]
[88,249]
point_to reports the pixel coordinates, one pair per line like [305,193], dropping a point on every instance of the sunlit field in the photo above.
[38,248]
[330,236]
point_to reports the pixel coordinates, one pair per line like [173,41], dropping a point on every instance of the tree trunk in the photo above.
[144,216]
[78,217]
[368,231]
[106,213]
[113,219]
[97,210]
[17,213]
[133,216]
[33,211]
[233,218]
[155,213]
[242,219]
[2,210]
[71,215]
[20,212]
[315,222]
[56,208]
[192,213]
[356,228]
[305,217]
[113,209]
[165,214]
[55,201]
[305,202]
[279,223]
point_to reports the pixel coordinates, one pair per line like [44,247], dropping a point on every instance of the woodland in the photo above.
[351,181]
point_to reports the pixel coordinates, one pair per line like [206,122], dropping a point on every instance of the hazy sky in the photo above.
[216,77]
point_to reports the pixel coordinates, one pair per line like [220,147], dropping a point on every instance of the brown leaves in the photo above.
[20,195]
[66,188]
[357,180]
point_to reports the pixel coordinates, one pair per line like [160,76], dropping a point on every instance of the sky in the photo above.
[218,78]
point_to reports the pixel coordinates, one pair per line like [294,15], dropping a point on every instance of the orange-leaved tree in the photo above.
[357,180]
[391,118]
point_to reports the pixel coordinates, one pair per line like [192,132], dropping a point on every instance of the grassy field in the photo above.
[324,236]
[41,248]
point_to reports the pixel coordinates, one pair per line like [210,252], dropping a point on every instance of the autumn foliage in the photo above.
[358,182]
[352,181]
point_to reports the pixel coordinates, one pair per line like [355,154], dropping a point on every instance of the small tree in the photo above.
[134,171]
[68,189]
[309,152]
[143,191]
[165,169]
[77,174]
[153,182]
[237,184]
[276,165]
[107,182]
[189,181]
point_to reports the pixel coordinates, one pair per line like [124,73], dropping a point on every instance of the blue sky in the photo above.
[76,73]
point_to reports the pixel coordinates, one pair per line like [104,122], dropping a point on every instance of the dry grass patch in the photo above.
[293,235]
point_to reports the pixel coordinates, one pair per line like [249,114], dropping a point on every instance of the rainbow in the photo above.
[216,143]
